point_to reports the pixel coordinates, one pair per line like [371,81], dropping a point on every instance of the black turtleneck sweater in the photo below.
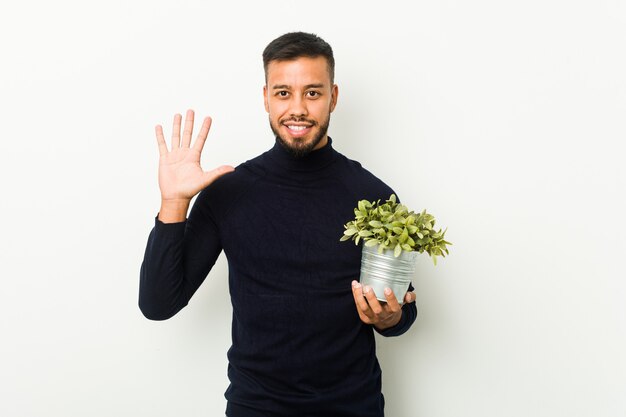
[298,345]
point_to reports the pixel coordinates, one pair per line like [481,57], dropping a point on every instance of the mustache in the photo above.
[298,120]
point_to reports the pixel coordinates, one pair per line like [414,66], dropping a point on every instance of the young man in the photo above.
[302,327]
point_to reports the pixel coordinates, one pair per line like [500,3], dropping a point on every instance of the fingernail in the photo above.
[387,291]
[366,289]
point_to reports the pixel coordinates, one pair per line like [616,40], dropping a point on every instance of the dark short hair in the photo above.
[293,45]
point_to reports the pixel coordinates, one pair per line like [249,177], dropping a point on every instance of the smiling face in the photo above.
[299,97]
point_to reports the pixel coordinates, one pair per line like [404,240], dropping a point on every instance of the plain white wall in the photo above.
[503,119]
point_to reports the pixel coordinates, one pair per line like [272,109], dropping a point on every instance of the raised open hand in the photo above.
[180,175]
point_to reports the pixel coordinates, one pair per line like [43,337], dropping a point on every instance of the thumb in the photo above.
[214,174]
[409,297]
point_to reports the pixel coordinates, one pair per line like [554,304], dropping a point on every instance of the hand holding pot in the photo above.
[372,311]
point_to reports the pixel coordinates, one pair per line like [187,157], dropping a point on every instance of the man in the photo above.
[302,327]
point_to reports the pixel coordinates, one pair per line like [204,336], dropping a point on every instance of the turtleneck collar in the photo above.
[314,161]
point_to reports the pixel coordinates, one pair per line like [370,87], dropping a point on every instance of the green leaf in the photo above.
[375,223]
[365,233]
[404,236]
[397,251]
[400,210]
[350,231]
[344,238]
[371,242]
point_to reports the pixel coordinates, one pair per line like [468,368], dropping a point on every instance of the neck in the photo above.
[322,143]
[313,161]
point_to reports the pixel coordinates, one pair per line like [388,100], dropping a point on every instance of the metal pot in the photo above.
[382,270]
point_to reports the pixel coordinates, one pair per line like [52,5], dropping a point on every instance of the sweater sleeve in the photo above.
[409,314]
[177,259]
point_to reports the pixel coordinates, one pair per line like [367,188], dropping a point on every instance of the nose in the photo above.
[297,107]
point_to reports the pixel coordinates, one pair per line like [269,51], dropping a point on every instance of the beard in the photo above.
[299,147]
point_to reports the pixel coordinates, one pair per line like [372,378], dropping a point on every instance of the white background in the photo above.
[504,119]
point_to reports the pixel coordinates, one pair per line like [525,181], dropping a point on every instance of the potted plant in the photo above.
[393,237]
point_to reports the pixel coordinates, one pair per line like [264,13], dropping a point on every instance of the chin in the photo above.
[298,147]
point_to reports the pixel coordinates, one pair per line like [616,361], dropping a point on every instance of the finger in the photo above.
[214,174]
[188,129]
[371,300]
[410,297]
[361,304]
[161,140]
[202,135]
[176,131]
[392,302]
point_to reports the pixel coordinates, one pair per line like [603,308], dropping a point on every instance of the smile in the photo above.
[297,128]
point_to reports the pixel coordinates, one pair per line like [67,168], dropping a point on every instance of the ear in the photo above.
[267,105]
[333,97]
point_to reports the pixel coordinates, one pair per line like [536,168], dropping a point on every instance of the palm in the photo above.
[180,174]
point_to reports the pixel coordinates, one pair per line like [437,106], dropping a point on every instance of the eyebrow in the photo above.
[287,87]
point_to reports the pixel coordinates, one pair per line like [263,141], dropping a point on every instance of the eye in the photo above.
[313,94]
[282,93]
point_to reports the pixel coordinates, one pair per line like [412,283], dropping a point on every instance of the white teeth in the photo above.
[297,127]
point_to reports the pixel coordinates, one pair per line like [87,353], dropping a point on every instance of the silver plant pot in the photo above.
[382,270]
